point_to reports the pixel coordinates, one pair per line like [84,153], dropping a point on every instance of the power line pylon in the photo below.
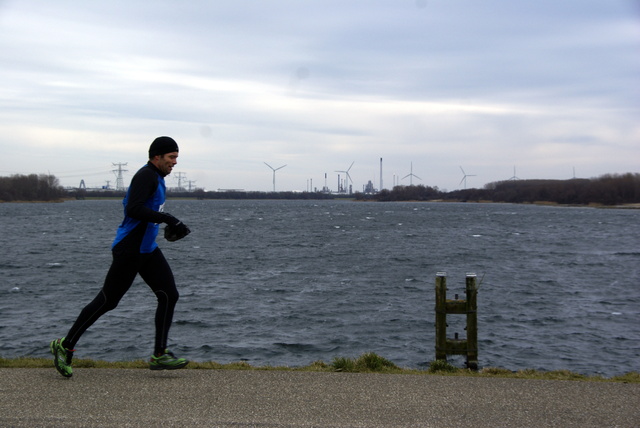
[118,172]
[180,175]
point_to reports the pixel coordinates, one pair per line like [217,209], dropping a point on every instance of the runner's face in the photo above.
[166,162]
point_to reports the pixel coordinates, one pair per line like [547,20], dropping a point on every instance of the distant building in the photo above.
[368,188]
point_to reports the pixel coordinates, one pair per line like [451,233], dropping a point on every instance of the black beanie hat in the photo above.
[162,145]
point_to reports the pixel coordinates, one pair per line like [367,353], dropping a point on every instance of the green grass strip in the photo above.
[366,363]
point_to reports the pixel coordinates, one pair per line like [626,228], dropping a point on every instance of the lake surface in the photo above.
[293,282]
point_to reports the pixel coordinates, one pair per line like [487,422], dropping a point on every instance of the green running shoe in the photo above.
[62,357]
[167,361]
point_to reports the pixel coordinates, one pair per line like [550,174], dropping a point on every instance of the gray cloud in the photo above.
[545,85]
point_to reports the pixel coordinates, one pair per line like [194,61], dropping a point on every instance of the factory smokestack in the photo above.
[380,174]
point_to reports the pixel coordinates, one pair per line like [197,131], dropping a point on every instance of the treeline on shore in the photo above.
[609,189]
[32,187]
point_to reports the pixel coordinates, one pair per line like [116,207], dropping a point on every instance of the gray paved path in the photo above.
[226,398]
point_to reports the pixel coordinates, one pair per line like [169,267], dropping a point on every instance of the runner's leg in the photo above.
[157,273]
[119,278]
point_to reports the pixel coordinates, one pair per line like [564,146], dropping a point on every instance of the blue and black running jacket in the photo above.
[143,206]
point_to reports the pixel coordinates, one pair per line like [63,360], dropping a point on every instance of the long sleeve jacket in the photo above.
[143,206]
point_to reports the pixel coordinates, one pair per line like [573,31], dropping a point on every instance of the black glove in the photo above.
[176,232]
[175,229]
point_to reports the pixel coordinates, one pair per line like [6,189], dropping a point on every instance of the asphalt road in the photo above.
[228,398]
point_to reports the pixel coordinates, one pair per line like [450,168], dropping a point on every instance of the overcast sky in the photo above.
[545,87]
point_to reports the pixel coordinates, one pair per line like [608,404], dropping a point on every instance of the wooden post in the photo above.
[468,307]
[472,321]
[441,316]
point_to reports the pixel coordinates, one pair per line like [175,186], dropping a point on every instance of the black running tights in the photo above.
[155,271]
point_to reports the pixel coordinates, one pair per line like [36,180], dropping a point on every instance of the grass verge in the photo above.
[366,363]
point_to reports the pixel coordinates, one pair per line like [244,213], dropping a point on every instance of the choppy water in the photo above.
[292,282]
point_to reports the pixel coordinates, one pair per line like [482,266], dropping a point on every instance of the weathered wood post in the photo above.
[468,307]
[441,316]
[472,321]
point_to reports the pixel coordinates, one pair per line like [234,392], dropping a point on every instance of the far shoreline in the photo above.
[631,206]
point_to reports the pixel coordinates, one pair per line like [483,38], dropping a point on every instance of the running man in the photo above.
[135,251]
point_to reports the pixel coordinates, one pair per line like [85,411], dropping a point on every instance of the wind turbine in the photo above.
[464,178]
[411,175]
[515,177]
[348,177]
[274,174]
